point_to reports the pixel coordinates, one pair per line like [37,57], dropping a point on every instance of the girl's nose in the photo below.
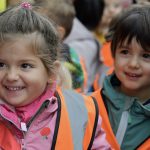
[12,75]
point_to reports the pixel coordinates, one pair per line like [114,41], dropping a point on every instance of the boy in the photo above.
[126,92]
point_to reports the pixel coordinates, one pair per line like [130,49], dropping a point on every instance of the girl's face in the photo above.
[132,67]
[23,77]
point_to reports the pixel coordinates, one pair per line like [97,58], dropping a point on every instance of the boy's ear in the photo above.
[61,32]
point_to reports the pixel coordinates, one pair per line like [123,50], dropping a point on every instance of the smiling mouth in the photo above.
[14,88]
[132,75]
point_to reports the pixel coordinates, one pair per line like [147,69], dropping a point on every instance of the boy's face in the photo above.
[23,76]
[132,67]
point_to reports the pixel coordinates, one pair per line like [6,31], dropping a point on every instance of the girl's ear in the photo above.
[57,65]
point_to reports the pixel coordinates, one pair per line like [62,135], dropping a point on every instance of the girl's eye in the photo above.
[2,65]
[26,66]
[147,56]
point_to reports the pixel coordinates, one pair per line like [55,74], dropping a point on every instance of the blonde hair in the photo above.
[64,79]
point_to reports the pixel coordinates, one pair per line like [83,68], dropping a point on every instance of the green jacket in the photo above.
[135,126]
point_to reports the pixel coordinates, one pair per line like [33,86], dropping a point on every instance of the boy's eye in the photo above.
[26,66]
[147,56]
[124,52]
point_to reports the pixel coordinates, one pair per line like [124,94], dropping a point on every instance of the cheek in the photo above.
[146,69]
[119,64]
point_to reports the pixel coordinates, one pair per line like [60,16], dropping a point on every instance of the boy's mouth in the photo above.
[132,75]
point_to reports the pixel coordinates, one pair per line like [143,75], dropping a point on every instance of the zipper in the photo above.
[44,105]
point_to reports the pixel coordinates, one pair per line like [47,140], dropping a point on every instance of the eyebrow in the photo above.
[123,46]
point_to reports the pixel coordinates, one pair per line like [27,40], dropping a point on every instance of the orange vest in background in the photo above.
[81,89]
[105,54]
[107,60]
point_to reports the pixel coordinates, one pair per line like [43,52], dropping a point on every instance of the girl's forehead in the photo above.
[33,39]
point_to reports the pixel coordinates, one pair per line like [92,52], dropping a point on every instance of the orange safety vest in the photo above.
[64,132]
[107,127]
[64,138]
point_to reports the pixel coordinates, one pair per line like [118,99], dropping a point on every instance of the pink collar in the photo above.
[25,112]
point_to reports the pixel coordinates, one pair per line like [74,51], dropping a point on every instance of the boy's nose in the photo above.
[134,62]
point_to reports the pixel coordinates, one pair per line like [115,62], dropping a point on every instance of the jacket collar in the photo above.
[120,100]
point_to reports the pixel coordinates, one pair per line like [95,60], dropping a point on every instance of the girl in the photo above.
[33,114]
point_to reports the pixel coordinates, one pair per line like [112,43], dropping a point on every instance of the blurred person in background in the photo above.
[62,12]
[82,39]
[112,8]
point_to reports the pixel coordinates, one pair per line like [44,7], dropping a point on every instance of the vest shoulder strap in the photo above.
[93,113]
[105,123]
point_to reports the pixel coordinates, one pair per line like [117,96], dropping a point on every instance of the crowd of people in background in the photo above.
[85,64]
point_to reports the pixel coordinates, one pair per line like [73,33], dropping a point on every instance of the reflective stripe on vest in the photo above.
[75,132]
[105,120]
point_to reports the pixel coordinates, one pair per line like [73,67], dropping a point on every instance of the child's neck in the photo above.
[142,95]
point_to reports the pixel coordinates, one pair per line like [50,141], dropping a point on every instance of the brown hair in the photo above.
[133,23]
[62,12]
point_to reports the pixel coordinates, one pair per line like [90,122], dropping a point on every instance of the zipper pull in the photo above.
[23,126]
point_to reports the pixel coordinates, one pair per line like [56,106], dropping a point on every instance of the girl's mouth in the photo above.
[14,88]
